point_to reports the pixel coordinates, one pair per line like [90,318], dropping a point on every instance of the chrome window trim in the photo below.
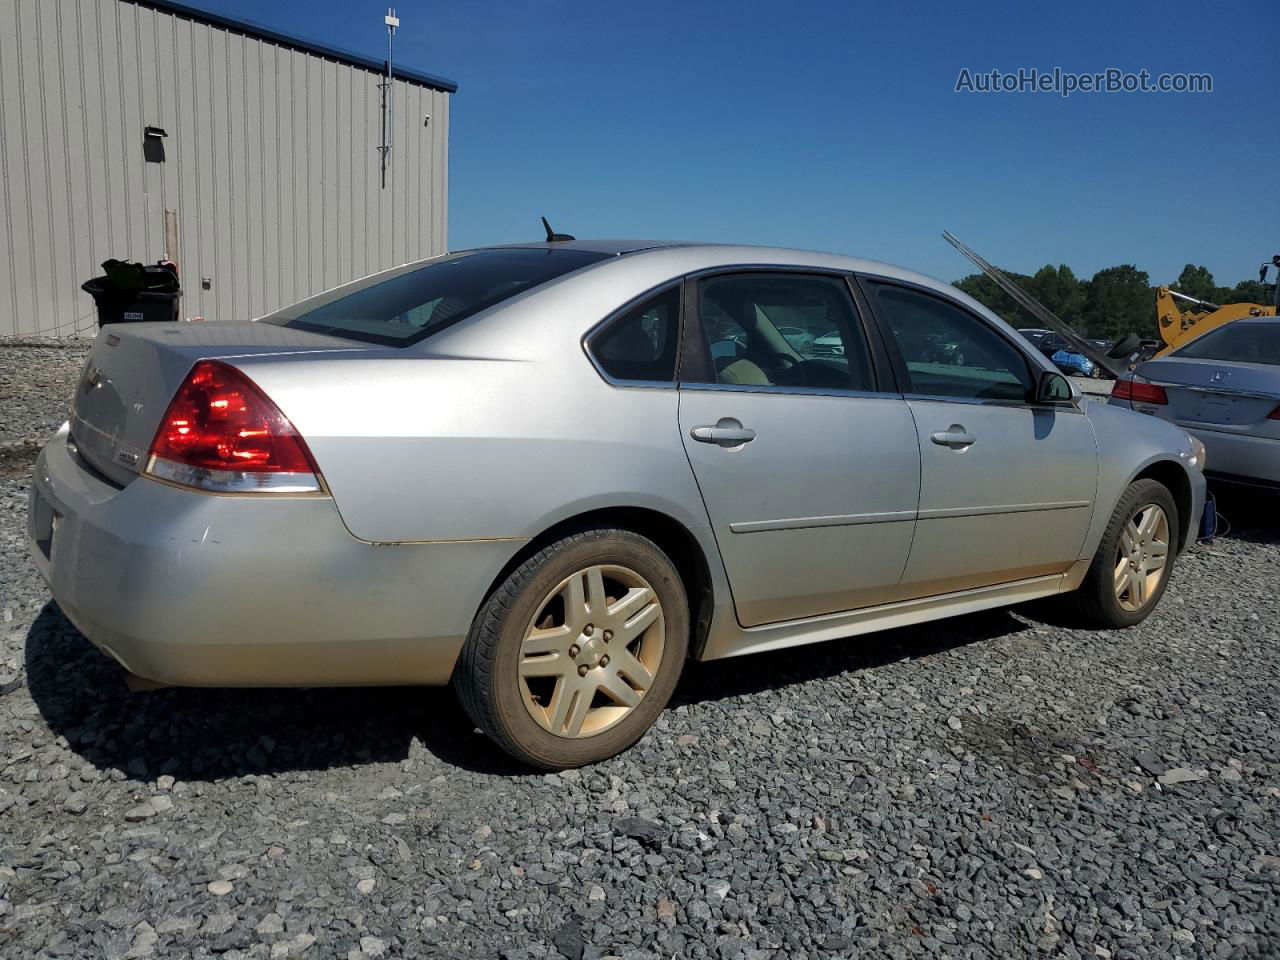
[794,391]
[617,314]
[637,384]
[1065,406]
[731,268]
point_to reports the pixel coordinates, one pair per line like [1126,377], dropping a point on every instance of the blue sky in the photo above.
[835,126]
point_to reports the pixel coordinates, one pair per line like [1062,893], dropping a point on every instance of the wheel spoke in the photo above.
[550,665]
[574,595]
[597,602]
[1122,575]
[546,640]
[638,624]
[562,700]
[578,711]
[1126,540]
[1154,563]
[1148,522]
[628,664]
[634,600]
[1137,588]
[1131,532]
[619,690]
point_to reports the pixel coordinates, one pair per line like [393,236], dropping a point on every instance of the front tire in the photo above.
[1131,569]
[574,655]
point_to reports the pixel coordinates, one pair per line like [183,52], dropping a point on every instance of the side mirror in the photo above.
[1053,388]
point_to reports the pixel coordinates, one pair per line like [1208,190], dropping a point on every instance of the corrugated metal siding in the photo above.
[271,163]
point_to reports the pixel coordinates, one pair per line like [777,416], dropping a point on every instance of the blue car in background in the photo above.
[1065,357]
[1074,364]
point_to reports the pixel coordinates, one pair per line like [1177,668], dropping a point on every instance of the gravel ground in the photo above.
[993,786]
[36,378]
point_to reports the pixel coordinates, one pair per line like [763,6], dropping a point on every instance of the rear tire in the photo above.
[1132,566]
[574,655]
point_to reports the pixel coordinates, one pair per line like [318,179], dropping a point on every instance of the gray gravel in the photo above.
[997,785]
[1097,386]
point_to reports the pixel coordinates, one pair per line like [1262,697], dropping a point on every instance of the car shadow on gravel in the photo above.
[205,735]
[1252,516]
[738,676]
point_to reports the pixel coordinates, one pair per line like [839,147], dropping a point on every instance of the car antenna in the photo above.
[552,236]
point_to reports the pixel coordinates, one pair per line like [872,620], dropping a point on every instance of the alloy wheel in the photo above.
[591,651]
[1142,557]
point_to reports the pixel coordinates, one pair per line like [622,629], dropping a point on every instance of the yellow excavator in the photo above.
[1179,327]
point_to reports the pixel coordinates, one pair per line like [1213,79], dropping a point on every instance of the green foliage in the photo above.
[1060,291]
[1119,299]
[1115,301]
[983,289]
[1246,291]
[1196,282]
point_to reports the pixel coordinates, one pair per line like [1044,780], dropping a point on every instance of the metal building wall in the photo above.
[271,163]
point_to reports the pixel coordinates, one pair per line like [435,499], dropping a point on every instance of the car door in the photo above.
[809,471]
[1006,485]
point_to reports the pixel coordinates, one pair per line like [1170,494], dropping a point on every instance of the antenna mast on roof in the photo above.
[392,21]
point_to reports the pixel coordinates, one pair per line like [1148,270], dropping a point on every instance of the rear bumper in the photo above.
[198,590]
[1255,459]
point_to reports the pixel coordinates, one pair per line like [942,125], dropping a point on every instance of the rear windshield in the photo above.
[408,304]
[1239,342]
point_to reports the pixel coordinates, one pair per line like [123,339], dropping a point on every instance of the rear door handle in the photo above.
[955,437]
[727,432]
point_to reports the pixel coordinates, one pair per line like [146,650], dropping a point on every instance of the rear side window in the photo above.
[408,304]
[948,351]
[642,343]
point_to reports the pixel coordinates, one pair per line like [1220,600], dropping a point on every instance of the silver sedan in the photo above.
[551,473]
[1223,388]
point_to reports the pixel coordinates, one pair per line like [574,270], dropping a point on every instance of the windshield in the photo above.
[1239,342]
[408,304]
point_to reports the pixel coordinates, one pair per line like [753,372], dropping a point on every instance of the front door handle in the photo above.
[727,432]
[955,437]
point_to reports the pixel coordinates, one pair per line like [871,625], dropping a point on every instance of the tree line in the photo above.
[1115,301]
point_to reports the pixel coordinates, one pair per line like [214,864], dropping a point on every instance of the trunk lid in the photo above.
[134,370]
[1215,392]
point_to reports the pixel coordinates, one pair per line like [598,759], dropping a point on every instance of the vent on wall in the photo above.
[153,144]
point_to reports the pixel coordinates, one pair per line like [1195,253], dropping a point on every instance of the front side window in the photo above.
[643,342]
[408,304]
[783,330]
[948,351]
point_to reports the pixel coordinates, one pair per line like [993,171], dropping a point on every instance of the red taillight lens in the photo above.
[221,432]
[1274,414]
[1137,392]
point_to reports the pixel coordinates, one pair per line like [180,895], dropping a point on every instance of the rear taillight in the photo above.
[1136,391]
[1274,414]
[221,433]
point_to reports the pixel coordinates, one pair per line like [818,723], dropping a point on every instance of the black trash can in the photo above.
[132,292]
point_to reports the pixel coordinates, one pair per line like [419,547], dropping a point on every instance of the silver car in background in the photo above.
[550,473]
[1223,388]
